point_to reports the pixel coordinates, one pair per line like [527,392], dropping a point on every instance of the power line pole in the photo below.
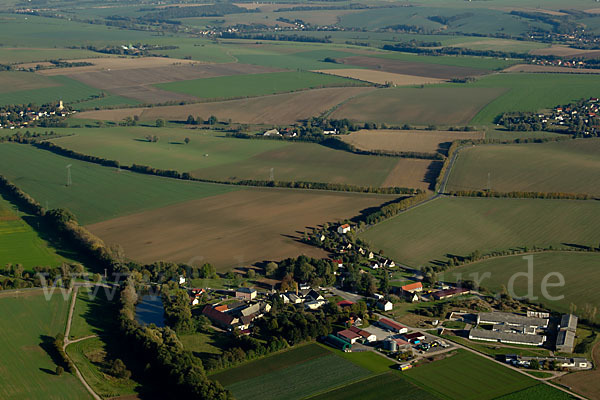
[69,181]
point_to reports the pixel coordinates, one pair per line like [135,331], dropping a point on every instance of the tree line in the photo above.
[520,194]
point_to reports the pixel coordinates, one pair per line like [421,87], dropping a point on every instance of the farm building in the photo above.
[349,336]
[366,336]
[245,293]
[391,325]
[413,287]
[448,293]
[385,305]
[565,341]
[342,229]
[414,338]
[568,322]
[506,337]
[345,303]
[396,344]
[219,318]
[496,318]
[338,343]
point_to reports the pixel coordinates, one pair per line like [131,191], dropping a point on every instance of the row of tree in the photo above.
[520,194]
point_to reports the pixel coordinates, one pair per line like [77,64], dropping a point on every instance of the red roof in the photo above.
[412,286]
[348,334]
[345,226]
[345,303]
[359,331]
[222,307]
[450,292]
[392,324]
[217,316]
[415,335]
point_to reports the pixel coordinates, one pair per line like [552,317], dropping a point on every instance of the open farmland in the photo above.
[565,51]
[255,84]
[531,92]
[527,68]
[21,244]
[21,55]
[421,69]
[391,385]
[580,271]
[282,109]
[422,106]
[28,324]
[459,226]
[381,77]
[236,159]
[485,380]
[401,140]
[540,391]
[233,229]
[295,381]
[97,193]
[135,79]
[568,166]
[26,87]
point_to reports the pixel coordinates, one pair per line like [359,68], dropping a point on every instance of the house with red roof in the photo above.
[413,287]
[345,303]
[366,336]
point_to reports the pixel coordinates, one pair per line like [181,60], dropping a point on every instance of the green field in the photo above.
[97,193]
[107,101]
[93,313]
[572,167]
[43,89]
[21,244]
[541,392]
[459,226]
[468,376]
[103,384]
[293,374]
[254,369]
[28,323]
[230,158]
[391,385]
[235,86]
[300,380]
[27,55]
[533,92]
[580,271]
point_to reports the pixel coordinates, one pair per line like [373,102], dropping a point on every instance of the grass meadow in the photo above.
[29,324]
[21,244]
[97,193]
[468,376]
[540,391]
[580,272]
[224,87]
[459,226]
[570,166]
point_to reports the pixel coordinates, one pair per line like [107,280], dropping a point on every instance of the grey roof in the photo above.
[483,334]
[565,340]
[513,319]
[246,290]
[568,321]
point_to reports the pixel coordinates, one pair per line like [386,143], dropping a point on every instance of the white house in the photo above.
[342,229]
[385,305]
[181,279]
[272,132]
[371,255]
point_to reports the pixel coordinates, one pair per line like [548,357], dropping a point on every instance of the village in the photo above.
[236,311]
[16,116]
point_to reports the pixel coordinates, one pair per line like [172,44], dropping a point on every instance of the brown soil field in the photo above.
[430,105]
[550,68]
[400,140]
[532,10]
[282,109]
[412,68]
[586,383]
[413,173]
[234,229]
[117,63]
[381,77]
[565,51]
[135,82]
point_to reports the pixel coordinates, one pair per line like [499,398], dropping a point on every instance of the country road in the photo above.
[68,342]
